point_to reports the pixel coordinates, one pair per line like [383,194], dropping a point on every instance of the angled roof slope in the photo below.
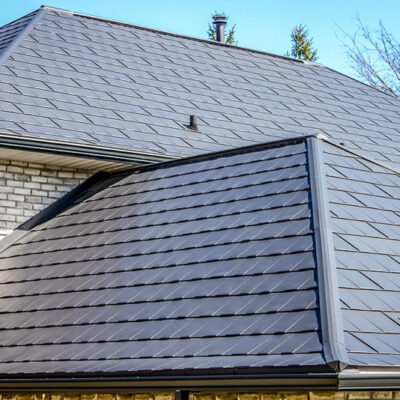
[81,80]
[204,265]
[365,208]
[9,32]
[277,257]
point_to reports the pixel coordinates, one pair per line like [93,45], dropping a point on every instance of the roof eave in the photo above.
[333,381]
[310,381]
[349,379]
[84,151]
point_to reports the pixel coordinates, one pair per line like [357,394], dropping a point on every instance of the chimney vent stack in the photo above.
[220,21]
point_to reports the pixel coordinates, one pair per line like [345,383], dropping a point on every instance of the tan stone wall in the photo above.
[85,396]
[342,395]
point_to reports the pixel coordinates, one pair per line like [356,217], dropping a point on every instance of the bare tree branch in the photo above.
[375,56]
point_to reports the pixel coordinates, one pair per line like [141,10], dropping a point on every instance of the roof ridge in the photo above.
[216,43]
[36,16]
[16,20]
[355,152]
[213,42]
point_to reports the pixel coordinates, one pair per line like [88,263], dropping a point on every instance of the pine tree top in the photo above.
[302,44]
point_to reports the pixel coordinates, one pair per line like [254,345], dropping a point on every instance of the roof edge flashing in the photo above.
[331,320]
[84,151]
[79,193]
[338,365]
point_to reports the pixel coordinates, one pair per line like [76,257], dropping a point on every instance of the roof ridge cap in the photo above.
[181,35]
[21,35]
[51,8]
[333,343]
[355,152]
[216,43]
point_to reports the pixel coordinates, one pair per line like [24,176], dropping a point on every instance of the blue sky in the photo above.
[260,24]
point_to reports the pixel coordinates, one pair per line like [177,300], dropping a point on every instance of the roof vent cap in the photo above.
[193,123]
[219,21]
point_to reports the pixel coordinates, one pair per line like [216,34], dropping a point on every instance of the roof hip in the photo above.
[22,35]
[331,319]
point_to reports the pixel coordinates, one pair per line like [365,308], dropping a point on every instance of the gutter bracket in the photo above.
[331,318]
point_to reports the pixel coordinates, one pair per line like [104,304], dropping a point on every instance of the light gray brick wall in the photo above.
[26,189]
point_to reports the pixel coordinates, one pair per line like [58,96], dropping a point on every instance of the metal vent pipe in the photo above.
[220,21]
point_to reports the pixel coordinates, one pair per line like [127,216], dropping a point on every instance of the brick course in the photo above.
[27,188]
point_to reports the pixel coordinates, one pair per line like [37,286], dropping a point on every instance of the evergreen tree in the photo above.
[229,35]
[302,44]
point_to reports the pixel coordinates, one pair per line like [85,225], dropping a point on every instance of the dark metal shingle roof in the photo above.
[207,264]
[365,206]
[89,81]
[277,256]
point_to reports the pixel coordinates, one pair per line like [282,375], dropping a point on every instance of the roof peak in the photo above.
[213,42]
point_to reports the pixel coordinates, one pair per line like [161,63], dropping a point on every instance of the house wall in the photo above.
[339,395]
[26,188]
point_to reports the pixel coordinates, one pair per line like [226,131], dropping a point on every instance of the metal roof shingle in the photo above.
[226,275]
[135,89]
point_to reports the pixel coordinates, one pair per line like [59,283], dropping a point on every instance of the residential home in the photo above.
[222,223]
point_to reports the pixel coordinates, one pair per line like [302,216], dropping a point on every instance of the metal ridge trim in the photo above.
[22,35]
[330,313]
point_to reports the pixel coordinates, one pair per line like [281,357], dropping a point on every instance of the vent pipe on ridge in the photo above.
[219,21]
